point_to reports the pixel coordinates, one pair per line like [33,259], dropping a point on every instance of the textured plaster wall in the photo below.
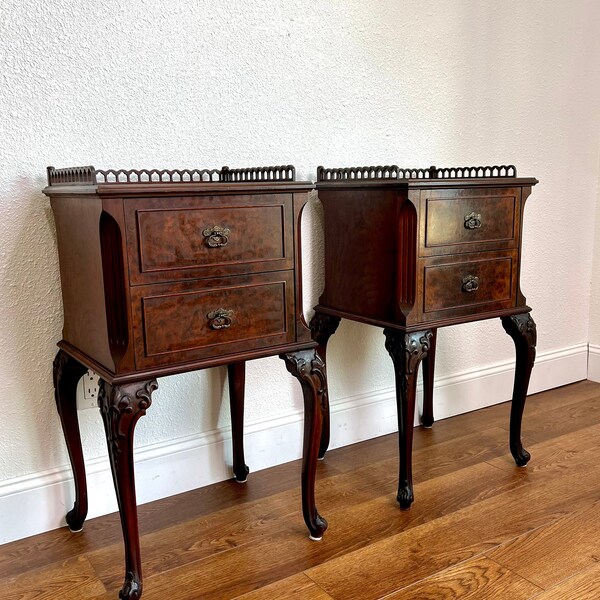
[202,84]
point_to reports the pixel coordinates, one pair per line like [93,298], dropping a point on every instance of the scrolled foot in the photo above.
[405,497]
[427,423]
[132,588]
[242,475]
[521,456]
[75,521]
[317,528]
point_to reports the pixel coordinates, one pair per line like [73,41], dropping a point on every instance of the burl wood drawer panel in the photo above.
[467,284]
[174,238]
[181,322]
[469,220]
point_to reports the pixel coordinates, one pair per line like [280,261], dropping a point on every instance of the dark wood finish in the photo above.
[407,351]
[545,527]
[237,384]
[121,406]
[168,271]
[428,381]
[522,329]
[468,220]
[444,281]
[412,250]
[67,373]
[322,327]
[168,242]
[173,322]
[309,369]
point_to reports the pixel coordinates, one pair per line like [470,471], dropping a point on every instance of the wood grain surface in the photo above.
[480,529]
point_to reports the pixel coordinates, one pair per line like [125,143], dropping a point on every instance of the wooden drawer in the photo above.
[173,238]
[181,322]
[461,285]
[469,220]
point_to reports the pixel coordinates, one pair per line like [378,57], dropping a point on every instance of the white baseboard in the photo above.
[594,363]
[36,503]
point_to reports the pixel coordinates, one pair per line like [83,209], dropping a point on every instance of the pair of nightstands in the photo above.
[165,272]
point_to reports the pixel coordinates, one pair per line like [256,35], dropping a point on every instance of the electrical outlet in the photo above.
[90,391]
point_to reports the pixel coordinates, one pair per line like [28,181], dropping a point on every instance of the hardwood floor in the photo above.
[480,527]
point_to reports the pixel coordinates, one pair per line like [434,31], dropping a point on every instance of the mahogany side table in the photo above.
[168,271]
[411,250]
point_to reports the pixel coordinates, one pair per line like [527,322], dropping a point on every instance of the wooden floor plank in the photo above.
[583,586]
[477,579]
[297,587]
[549,554]
[73,578]
[397,561]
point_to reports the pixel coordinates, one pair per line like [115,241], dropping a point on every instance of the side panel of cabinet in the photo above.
[361,258]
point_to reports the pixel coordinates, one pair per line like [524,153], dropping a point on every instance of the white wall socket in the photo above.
[87,391]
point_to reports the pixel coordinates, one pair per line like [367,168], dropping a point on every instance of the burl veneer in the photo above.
[165,272]
[411,250]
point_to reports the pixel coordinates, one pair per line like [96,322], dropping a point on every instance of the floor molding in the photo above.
[163,470]
[594,363]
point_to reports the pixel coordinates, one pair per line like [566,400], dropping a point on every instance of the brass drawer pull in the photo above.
[472,221]
[216,236]
[470,283]
[220,318]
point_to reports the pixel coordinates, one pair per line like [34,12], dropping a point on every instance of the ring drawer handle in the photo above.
[216,236]
[472,221]
[470,283]
[220,318]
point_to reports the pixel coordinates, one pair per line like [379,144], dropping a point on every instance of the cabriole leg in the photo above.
[67,372]
[428,376]
[121,406]
[522,330]
[407,351]
[309,369]
[322,327]
[236,374]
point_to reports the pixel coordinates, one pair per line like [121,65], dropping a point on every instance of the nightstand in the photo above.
[411,250]
[169,271]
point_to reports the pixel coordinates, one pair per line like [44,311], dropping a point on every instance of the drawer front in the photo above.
[174,238]
[457,285]
[469,220]
[181,322]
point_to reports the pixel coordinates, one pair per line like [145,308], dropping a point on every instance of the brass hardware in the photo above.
[216,236]
[220,318]
[470,283]
[472,221]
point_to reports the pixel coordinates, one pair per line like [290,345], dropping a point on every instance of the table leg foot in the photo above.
[132,588]
[309,369]
[405,497]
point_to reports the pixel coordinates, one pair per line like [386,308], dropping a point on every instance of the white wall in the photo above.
[594,335]
[207,83]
